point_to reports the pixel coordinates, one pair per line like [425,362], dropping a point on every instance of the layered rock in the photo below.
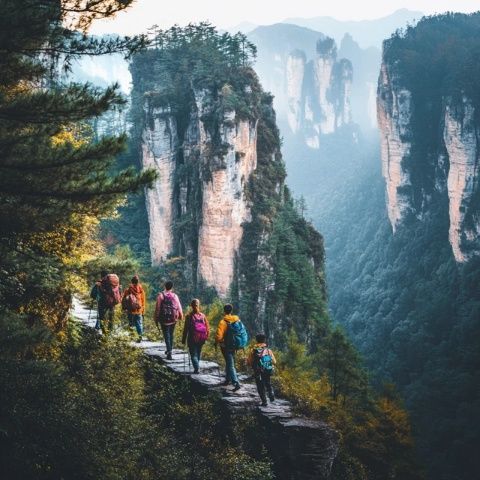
[318,92]
[219,178]
[224,207]
[394,109]
[159,151]
[462,139]
[295,73]
[420,171]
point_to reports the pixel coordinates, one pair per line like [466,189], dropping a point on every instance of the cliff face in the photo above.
[461,136]
[394,115]
[220,216]
[318,92]
[418,173]
[216,182]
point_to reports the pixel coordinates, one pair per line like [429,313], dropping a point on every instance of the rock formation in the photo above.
[318,92]
[223,207]
[419,172]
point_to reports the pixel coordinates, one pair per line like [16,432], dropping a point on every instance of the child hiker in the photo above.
[262,360]
[196,332]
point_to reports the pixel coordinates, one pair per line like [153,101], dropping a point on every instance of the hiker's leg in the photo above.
[130,320]
[268,385]
[166,335]
[102,318]
[138,322]
[231,372]
[224,354]
[194,355]
[110,313]
[260,388]
[172,335]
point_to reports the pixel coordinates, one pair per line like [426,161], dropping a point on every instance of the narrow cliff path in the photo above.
[301,448]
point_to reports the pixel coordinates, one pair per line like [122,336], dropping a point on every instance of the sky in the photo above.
[223,13]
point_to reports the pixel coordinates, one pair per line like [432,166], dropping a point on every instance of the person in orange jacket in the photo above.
[227,351]
[134,303]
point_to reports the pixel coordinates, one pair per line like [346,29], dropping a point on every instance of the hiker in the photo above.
[168,311]
[95,296]
[262,360]
[108,293]
[231,336]
[134,302]
[196,331]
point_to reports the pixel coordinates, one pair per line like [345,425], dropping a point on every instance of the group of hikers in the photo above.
[231,334]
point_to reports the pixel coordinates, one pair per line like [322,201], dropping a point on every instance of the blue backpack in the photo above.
[237,336]
[263,361]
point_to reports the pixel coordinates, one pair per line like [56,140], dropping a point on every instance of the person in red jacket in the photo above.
[134,302]
[197,331]
[168,311]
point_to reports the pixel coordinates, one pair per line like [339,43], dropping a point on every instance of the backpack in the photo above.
[198,328]
[130,302]
[237,336]
[110,290]
[262,360]
[168,311]
[94,292]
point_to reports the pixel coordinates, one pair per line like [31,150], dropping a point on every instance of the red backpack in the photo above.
[131,302]
[110,289]
[198,328]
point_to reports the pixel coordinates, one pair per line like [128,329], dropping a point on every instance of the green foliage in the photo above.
[376,439]
[55,182]
[85,407]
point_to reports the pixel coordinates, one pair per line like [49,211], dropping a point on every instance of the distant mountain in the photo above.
[243,27]
[368,33]
[275,43]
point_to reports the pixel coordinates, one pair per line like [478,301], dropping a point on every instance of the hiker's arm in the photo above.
[179,307]
[274,360]
[220,335]
[185,329]
[250,358]
[144,302]
[157,308]
[208,326]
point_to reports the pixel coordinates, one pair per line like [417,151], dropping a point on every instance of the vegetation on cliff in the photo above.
[320,370]
[75,405]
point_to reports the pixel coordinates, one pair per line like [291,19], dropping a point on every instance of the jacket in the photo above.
[222,328]
[188,326]
[176,303]
[139,292]
[251,355]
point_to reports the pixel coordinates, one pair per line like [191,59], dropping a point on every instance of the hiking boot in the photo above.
[237,387]
[272,398]
[196,371]
[226,383]
[139,340]
[169,356]
[264,404]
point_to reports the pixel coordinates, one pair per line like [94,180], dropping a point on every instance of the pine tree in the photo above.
[55,182]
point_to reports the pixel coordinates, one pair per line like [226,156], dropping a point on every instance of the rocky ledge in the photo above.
[301,448]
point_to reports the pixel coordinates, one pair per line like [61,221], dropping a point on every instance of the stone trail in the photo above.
[301,448]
